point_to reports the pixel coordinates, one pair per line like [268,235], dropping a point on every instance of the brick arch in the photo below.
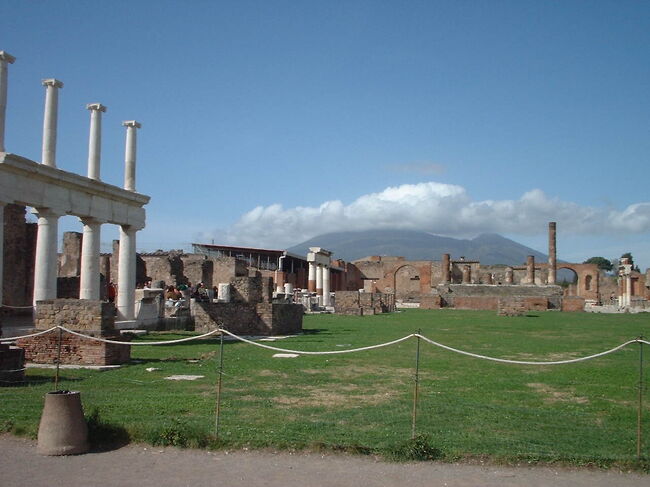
[406,282]
[588,286]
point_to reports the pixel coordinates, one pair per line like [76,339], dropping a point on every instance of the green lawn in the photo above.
[581,413]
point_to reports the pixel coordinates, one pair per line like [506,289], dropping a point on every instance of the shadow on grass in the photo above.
[104,436]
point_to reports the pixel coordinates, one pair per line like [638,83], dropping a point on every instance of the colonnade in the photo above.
[96,204]
[319,274]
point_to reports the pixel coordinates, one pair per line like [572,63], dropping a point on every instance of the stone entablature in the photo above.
[29,183]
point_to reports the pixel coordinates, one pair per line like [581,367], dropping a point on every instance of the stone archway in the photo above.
[588,280]
[407,283]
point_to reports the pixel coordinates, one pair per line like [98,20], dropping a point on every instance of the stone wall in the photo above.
[248,318]
[70,258]
[520,305]
[165,266]
[83,315]
[198,269]
[573,303]
[246,289]
[430,301]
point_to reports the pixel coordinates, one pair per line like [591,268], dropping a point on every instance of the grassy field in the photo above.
[581,413]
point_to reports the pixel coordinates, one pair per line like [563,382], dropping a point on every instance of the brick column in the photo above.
[5,60]
[50,121]
[126,275]
[509,275]
[446,270]
[552,253]
[530,270]
[311,279]
[89,279]
[46,262]
[467,274]
[2,252]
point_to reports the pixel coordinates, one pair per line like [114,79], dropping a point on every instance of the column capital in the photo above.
[6,57]
[96,106]
[52,82]
[132,123]
[90,220]
[48,212]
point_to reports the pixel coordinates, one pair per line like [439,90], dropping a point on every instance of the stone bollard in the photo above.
[63,429]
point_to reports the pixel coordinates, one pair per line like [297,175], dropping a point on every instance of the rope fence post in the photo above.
[58,360]
[219,382]
[416,385]
[640,408]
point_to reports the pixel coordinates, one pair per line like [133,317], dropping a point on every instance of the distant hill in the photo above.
[489,248]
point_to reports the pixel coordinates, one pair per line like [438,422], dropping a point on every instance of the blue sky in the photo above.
[269,122]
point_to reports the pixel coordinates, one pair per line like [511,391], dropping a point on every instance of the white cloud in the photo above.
[437,208]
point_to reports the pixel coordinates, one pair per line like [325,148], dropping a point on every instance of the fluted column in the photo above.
[130,154]
[50,121]
[95,139]
[126,275]
[46,262]
[89,279]
[5,60]
[311,279]
[326,286]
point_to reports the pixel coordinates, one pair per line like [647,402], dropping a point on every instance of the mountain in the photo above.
[488,248]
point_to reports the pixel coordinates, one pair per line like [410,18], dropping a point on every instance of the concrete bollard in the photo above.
[63,429]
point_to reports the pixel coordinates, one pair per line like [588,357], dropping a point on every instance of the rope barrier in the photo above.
[335,352]
[15,307]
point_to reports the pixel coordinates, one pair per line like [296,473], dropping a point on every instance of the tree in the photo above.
[601,262]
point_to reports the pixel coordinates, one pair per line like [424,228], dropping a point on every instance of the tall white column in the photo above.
[95,139]
[47,262]
[2,251]
[126,275]
[50,121]
[326,286]
[130,154]
[89,279]
[5,60]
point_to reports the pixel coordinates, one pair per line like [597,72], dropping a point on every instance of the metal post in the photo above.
[639,412]
[416,386]
[219,380]
[58,361]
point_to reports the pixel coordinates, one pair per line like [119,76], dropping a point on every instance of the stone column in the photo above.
[5,60]
[488,278]
[311,279]
[89,278]
[130,154]
[95,139]
[326,286]
[46,261]
[126,275]
[467,274]
[446,270]
[509,275]
[552,253]
[50,121]
[530,270]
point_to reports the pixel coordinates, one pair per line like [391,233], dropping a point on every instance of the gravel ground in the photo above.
[144,466]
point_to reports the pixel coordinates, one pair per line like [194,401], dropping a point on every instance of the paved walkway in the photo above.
[137,465]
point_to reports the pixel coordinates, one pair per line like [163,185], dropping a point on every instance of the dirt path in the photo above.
[141,466]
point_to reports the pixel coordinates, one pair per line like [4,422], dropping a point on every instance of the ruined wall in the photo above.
[248,318]
[482,296]
[70,258]
[95,318]
[407,279]
[164,266]
[18,259]
[198,269]
[362,303]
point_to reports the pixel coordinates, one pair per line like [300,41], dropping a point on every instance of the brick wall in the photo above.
[476,302]
[573,303]
[43,349]
[18,258]
[430,301]
[362,303]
